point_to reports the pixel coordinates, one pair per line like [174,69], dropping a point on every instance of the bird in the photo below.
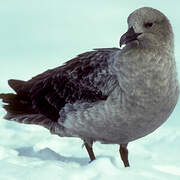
[111,95]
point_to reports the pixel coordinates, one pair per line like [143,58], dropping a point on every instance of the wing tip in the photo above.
[16,84]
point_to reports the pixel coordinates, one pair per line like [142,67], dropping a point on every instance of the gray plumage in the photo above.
[146,92]
[108,95]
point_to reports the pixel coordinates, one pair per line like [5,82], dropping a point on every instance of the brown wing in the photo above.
[85,78]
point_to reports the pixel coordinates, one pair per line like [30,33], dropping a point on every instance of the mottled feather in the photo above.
[39,100]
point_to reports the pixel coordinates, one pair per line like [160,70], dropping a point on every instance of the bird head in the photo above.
[148,25]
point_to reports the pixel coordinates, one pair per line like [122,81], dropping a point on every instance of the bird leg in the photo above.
[90,150]
[124,154]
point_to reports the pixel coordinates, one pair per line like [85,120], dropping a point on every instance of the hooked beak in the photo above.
[129,36]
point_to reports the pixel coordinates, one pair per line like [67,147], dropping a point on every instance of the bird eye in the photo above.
[148,25]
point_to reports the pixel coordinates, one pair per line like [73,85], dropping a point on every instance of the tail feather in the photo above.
[15,105]
[19,108]
[22,112]
[37,119]
[8,98]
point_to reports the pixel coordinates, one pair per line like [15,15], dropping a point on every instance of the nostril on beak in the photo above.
[129,36]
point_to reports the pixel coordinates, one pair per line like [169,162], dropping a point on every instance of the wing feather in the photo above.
[85,78]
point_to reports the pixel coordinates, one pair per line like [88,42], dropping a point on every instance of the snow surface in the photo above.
[29,152]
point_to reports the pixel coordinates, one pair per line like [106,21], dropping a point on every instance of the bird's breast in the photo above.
[147,106]
[147,98]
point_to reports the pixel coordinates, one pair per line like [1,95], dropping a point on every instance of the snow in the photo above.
[29,152]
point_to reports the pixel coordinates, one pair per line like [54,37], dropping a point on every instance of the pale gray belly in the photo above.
[115,123]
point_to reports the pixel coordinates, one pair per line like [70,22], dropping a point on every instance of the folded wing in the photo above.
[85,78]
